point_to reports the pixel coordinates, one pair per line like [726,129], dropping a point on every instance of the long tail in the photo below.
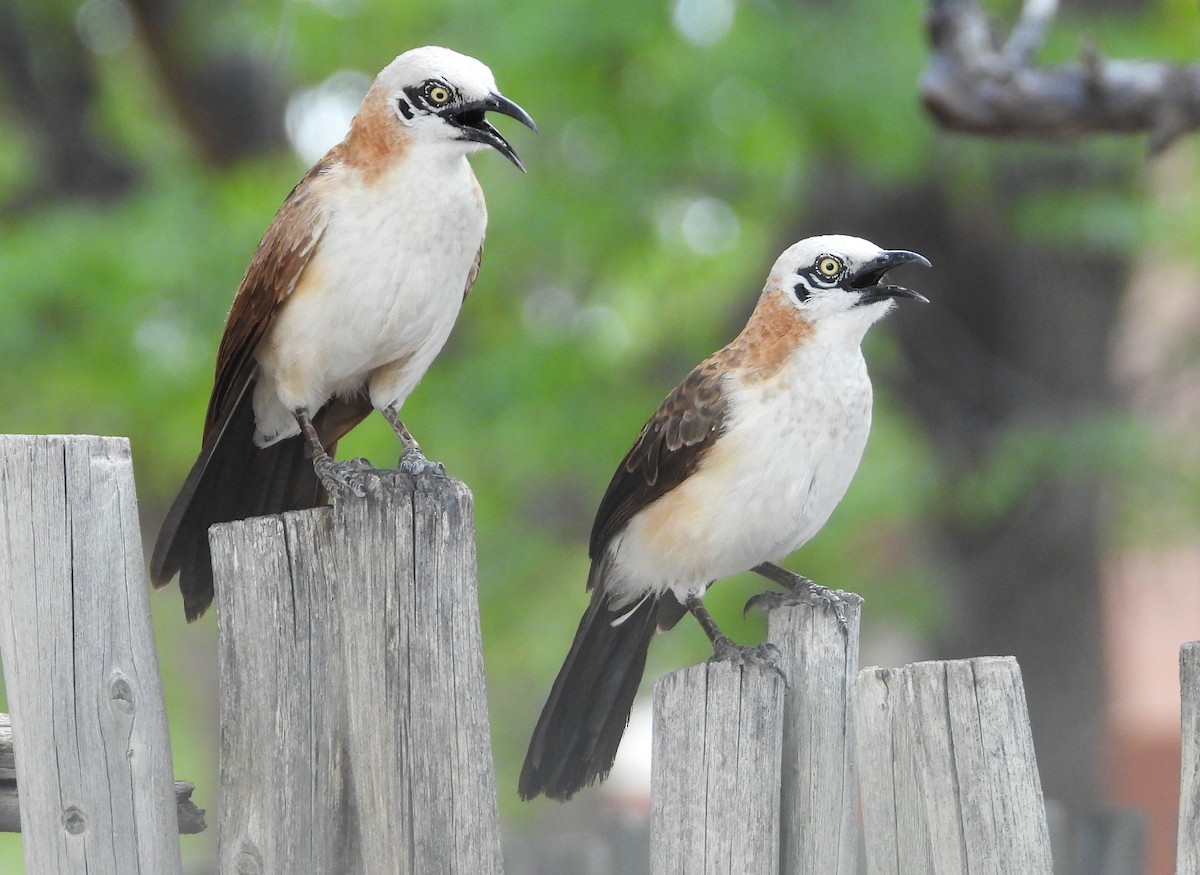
[576,738]
[232,479]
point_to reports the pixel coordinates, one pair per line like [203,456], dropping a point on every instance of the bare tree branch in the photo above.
[45,77]
[229,100]
[1030,31]
[974,86]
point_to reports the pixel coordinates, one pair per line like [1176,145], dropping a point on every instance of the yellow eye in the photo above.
[828,266]
[438,95]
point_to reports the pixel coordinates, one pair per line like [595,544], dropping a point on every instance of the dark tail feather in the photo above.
[231,480]
[576,738]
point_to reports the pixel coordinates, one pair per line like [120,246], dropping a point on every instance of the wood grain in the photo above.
[8,768]
[948,777]
[81,675]
[353,713]
[189,815]
[819,805]
[1187,857]
[718,732]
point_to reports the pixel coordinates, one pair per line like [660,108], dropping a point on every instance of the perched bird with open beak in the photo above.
[350,295]
[741,464]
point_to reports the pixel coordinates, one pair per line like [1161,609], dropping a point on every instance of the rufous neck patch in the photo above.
[376,140]
[774,330]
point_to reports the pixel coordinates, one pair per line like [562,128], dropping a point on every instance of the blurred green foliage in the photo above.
[666,178]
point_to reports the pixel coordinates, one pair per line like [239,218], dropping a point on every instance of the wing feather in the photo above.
[473,274]
[670,447]
[284,252]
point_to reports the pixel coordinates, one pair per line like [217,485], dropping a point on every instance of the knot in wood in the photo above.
[120,691]
[74,820]
[248,861]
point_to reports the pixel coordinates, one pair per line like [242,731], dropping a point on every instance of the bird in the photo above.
[741,464]
[351,293]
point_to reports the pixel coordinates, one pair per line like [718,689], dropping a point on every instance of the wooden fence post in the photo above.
[93,760]
[718,732]
[819,807]
[1187,857]
[353,710]
[187,813]
[947,773]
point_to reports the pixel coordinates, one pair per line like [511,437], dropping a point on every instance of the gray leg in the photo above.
[412,460]
[725,650]
[354,476]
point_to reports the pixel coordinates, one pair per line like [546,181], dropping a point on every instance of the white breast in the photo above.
[791,447]
[379,299]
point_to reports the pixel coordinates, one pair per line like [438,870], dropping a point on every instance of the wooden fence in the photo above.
[354,733]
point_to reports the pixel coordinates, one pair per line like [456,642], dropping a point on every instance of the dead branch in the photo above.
[974,85]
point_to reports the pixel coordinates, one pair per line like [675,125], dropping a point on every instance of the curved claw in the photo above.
[765,655]
[413,462]
[814,595]
[356,477]
[765,601]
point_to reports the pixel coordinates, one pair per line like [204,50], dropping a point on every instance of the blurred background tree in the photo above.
[1028,451]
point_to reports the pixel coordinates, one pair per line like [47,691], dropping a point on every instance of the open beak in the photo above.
[471,119]
[868,280]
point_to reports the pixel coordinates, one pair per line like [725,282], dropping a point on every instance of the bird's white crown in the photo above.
[471,77]
[853,252]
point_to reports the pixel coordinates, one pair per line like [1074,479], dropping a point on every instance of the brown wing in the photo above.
[474,272]
[669,448]
[282,255]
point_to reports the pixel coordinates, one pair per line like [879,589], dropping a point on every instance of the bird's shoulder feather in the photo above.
[285,250]
[670,447]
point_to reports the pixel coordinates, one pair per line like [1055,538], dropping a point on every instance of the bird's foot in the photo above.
[356,477]
[765,654]
[413,461]
[806,592]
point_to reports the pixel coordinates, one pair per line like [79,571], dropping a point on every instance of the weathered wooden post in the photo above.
[718,732]
[819,805]
[353,710]
[93,761]
[189,815]
[947,772]
[1187,857]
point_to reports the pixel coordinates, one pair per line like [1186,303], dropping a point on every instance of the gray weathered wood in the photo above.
[353,713]
[718,734]
[973,85]
[10,809]
[8,768]
[80,670]
[191,817]
[947,774]
[188,814]
[10,814]
[890,828]
[819,806]
[1187,858]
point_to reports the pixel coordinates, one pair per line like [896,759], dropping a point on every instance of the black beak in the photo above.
[471,119]
[868,279]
